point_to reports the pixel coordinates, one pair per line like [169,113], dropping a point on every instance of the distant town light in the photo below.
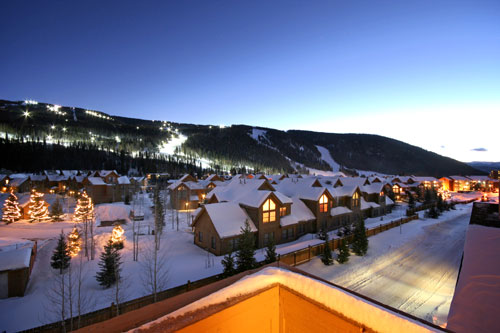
[26,114]
[49,137]
[30,102]
[117,138]
[64,129]
[52,127]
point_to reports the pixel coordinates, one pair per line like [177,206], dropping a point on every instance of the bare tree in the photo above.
[154,272]
[55,299]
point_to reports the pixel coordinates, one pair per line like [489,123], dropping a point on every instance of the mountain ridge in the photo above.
[218,148]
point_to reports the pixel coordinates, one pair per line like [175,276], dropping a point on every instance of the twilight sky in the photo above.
[424,72]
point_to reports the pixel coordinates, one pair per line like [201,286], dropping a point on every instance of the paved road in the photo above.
[418,277]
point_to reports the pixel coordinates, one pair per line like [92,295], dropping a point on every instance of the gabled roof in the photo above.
[353,181]
[16,182]
[237,188]
[460,178]
[303,188]
[372,188]
[123,180]
[96,181]
[425,179]
[104,173]
[228,218]
[257,198]
[38,178]
[343,191]
[480,178]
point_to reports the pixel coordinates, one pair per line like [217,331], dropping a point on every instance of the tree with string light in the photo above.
[11,210]
[117,237]
[84,215]
[74,242]
[84,208]
[37,209]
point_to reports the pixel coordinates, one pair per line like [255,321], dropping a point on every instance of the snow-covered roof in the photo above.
[347,190]
[299,213]
[303,188]
[368,204]
[104,173]
[372,188]
[228,218]
[460,178]
[425,179]
[353,181]
[476,302]
[38,178]
[79,179]
[96,181]
[388,201]
[480,178]
[237,190]
[16,182]
[19,175]
[10,243]
[257,198]
[374,317]
[340,211]
[15,259]
[123,180]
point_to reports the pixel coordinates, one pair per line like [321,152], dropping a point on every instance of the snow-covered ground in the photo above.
[185,262]
[413,268]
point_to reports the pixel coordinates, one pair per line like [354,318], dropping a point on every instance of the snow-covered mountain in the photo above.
[204,146]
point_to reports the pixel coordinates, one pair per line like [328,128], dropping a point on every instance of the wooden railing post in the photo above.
[187,285]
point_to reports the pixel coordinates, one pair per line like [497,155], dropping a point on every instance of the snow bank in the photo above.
[112,212]
[476,303]
[355,308]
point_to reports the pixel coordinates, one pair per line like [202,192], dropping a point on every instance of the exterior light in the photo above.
[26,114]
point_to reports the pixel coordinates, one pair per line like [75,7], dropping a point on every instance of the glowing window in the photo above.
[395,189]
[323,204]
[269,211]
[355,199]
[282,211]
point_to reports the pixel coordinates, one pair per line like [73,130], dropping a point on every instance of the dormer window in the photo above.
[355,199]
[323,204]
[282,211]
[269,211]
[381,194]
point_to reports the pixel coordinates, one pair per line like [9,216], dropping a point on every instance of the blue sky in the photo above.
[424,72]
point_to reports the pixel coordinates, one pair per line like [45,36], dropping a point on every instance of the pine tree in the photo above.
[228,264]
[326,257]
[61,257]
[245,259]
[84,208]
[37,209]
[433,212]
[74,242]
[344,254]
[270,252]
[360,241]
[11,210]
[411,201]
[440,203]
[56,211]
[110,266]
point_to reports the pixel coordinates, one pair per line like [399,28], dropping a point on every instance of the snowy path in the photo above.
[417,276]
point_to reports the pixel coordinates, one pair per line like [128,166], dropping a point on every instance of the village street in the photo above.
[414,270]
